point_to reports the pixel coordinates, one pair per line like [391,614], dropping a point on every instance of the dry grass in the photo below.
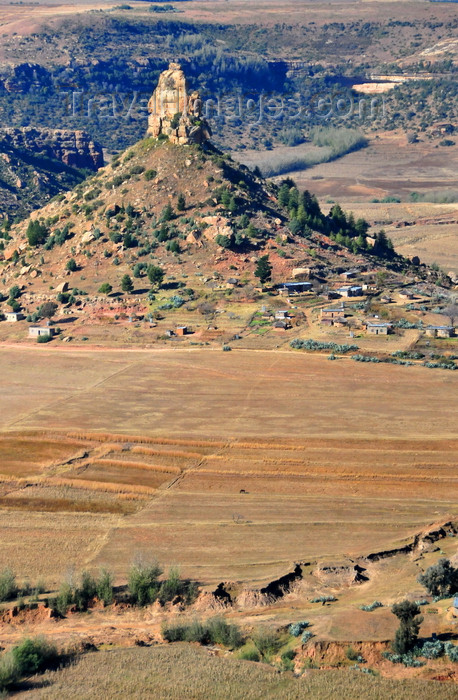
[94,485]
[142,439]
[42,546]
[329,454]
[183,671]
[63,505]
[121,464]
[26,456]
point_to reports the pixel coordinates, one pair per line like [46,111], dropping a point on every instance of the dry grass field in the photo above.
[231,465]
[183,671]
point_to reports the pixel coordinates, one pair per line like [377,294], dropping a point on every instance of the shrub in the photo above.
[267,642]
[44,338]
[8,587]
[296,628]
[71,265]
[373,606]
[105,288]
[86,592]
[143,583]
[287,659]
[221,632]
[176,301]
[137,170]
[9,671]
[82,596]
[432,650]
[324,599]
[298,344]
[150,174]
[249,654]
[33,655]
[306,636]
[174,586]
[452,651]
[351,654]
[214,631]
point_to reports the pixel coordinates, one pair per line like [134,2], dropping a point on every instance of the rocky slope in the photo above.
[36,164]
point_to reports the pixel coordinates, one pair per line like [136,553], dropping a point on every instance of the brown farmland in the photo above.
[232,465]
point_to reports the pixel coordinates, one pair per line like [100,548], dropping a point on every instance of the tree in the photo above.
[263,269]
[36,233]
[225,198]
[440,579]
[71,265]
[383,247]
[407,632]
[223,241]
[167,213]
[126,284]
[181,202]
[452,312]
[233,206]
[283,194]
[14,292]
[48,309]
[105,288]
[14,305]
[155,275]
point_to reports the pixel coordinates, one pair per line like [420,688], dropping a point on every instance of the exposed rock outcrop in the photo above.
[74,148]
[175,113]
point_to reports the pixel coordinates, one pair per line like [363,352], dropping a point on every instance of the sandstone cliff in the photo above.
[74,148]
[36,164]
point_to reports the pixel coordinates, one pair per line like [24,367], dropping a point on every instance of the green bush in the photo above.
[298,344]
[150,174]
[9,672]
[83,595]
[44,338]
[105,587]
[143,583]
[174,586]
[267,642]
[8,587]
[249,654]
[34,655]
[214,631]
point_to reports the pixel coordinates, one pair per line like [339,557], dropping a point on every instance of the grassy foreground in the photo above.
[183,671]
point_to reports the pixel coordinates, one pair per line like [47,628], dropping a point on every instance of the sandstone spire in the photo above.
[175,113]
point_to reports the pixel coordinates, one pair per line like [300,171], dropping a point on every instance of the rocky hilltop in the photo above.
[175,113]
[173,231]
